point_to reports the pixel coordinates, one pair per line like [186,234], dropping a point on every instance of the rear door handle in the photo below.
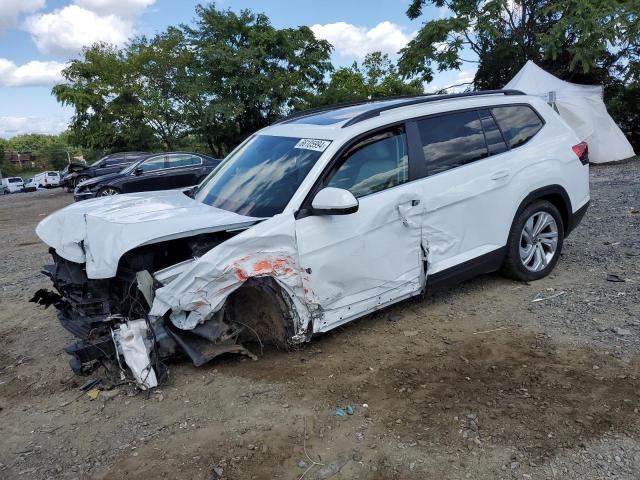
[499,175]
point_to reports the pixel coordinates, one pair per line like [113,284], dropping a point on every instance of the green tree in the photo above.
[623,104]
[582,40]
[377,77]
[162,65]
[102,87]
[52,148]
[215,82]
[246,73]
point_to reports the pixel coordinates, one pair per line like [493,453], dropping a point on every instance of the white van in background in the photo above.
[12,184]
[48,179]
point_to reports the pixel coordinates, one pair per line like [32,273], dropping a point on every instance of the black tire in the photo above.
[513,266]
[80,179]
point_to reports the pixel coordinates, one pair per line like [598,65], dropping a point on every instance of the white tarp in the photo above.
[581,106]
[135,351]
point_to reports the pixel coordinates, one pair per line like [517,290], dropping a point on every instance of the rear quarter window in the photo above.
[518,123]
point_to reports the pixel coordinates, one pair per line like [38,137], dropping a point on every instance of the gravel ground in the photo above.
[478,382]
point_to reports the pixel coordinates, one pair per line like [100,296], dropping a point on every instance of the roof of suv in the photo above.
[352,113]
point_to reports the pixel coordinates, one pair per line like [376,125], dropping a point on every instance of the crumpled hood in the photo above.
[100,230]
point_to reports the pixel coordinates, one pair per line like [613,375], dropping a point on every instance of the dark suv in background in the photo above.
[112,163]
[159,171]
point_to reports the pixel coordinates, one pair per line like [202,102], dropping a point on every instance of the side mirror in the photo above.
[138,171]
[334,201]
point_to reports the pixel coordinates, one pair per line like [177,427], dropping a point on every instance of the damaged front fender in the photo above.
[265,250]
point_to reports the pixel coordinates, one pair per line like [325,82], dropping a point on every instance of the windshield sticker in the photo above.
[312,144]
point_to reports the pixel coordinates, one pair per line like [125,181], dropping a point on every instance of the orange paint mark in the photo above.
[241,274]
[279,266]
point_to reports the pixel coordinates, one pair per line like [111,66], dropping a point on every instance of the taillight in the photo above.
[582,151]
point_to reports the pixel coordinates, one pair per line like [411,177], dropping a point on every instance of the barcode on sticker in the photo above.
[313,144]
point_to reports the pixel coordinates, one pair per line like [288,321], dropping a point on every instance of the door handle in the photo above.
[499,175]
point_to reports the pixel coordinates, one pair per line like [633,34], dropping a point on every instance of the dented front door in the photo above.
[359,262]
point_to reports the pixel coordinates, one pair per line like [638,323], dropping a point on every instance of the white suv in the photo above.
[322,218]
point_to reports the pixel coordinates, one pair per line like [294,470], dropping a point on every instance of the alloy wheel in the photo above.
[107,192]
[538,241]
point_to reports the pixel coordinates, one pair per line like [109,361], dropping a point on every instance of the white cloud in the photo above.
[352,41]
[11,9]
[11,126]
[463,81]
[465,76]
[445,12]
[64,32]
[34,73]
[122,8]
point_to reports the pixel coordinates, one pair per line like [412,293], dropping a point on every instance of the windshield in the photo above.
[15,180]
[97,162]
[259,178]
[131,168]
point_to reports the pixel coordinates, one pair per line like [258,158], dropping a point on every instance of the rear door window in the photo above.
[452,140]
[519,123]
[183,160]
[154,163]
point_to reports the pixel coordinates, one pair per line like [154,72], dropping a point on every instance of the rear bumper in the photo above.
[576,218]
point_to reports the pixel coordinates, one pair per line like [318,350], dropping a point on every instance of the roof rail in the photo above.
[328,108]
[425,99]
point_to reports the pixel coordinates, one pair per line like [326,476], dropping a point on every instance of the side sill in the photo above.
[487,263]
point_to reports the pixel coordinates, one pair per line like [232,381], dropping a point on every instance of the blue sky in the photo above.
[37,37]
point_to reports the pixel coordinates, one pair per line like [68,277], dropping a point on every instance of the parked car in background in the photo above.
[12,184]
[49,179]
[112,163]
[30,186]
[160,171]
[68,175]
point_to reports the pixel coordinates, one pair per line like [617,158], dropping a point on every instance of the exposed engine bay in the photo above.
[110,317]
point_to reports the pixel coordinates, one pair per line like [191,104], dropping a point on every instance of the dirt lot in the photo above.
[476,382]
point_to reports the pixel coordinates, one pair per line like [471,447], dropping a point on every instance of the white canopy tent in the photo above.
[581,106]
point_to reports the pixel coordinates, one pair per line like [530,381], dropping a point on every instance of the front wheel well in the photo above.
[261,307]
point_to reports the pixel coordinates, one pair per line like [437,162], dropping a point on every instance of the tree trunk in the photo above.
[211,146]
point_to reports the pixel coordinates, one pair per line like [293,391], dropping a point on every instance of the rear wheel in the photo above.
[535,242]
[107,192]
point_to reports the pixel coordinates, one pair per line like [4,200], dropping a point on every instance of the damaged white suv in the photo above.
[314,221]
